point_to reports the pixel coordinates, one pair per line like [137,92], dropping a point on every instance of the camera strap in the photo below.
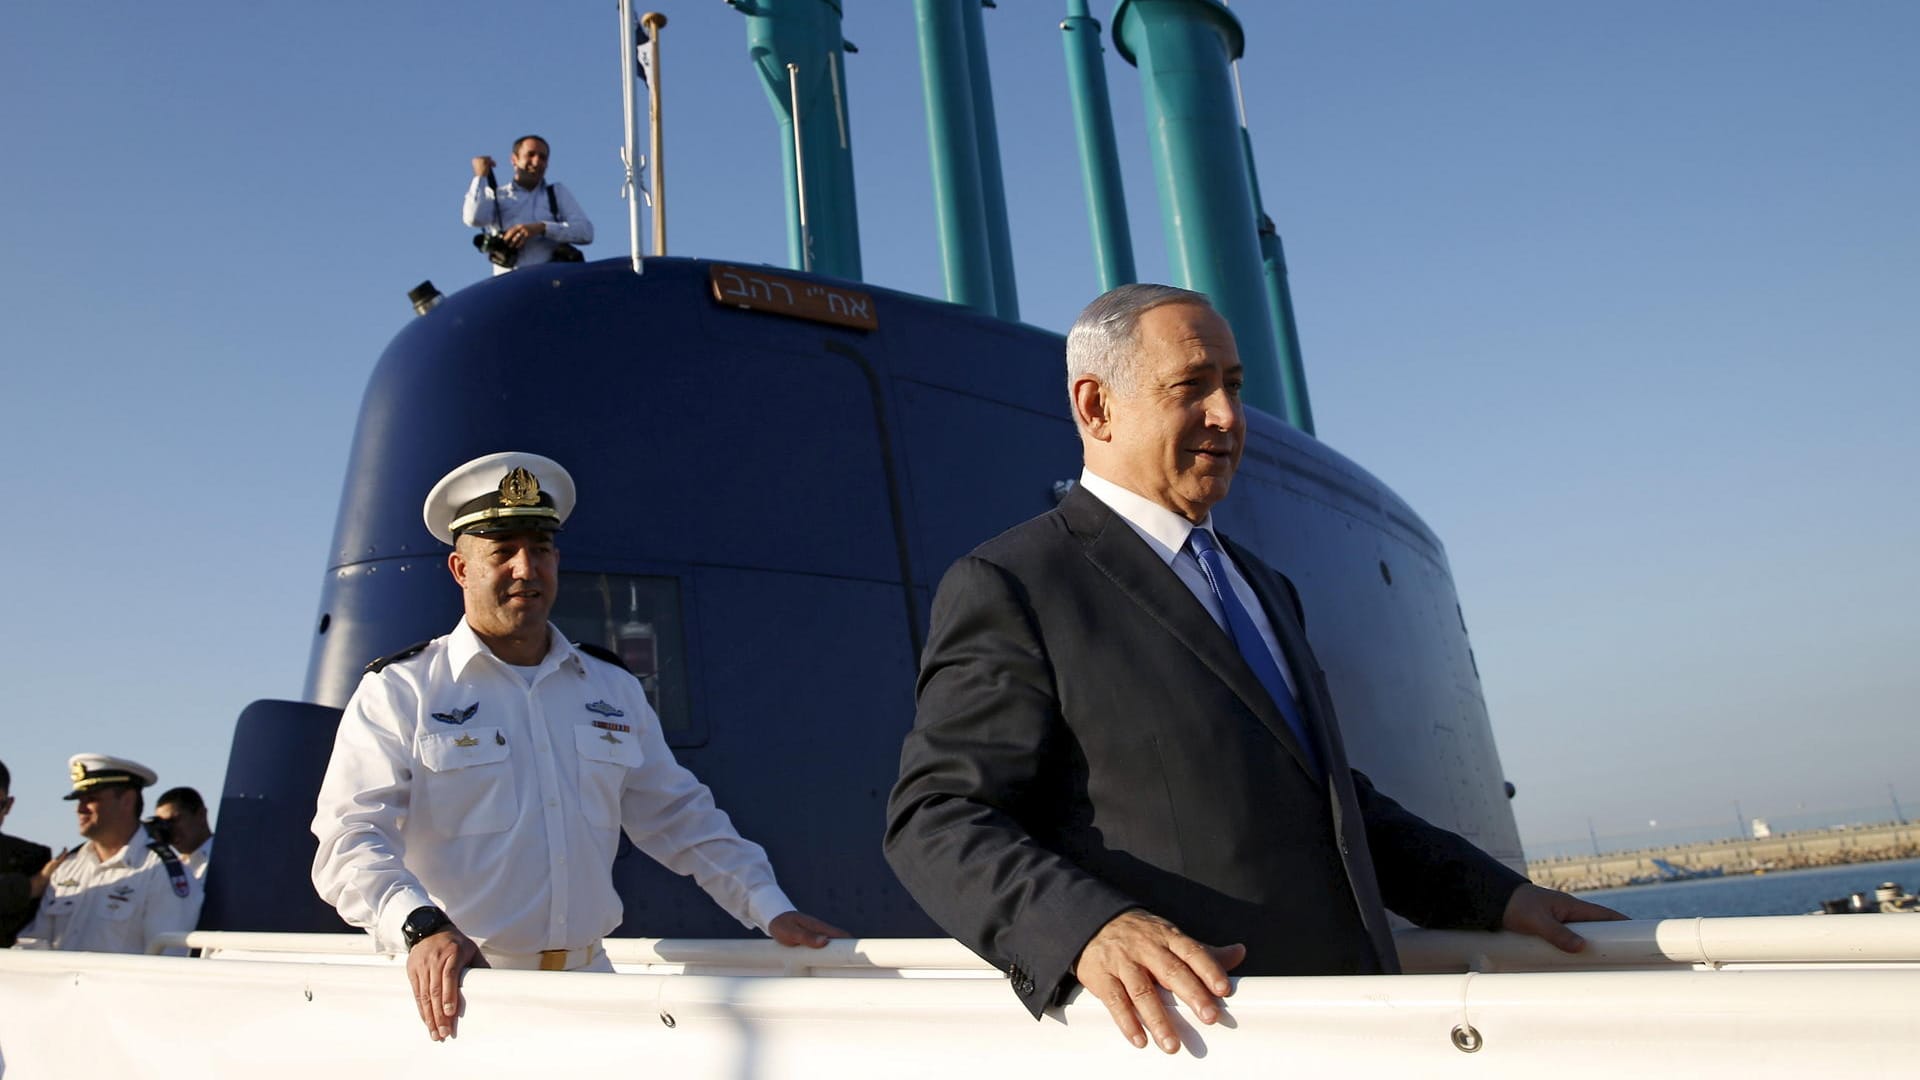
[493,196]
[176,870]
[553,202]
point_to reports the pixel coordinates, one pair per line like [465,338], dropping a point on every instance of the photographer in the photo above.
[529,221]
[180,819]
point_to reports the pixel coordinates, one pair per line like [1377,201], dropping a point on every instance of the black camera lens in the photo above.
[496,249]
[160,829]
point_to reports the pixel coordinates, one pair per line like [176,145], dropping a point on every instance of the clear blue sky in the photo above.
[1620,297]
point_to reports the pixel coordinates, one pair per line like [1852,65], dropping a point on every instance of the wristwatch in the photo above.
[424,923]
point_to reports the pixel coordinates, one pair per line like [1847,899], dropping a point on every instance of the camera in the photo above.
[160,829]
[496,249]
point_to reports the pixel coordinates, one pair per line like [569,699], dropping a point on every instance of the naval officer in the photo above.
[479,782]
[123,888]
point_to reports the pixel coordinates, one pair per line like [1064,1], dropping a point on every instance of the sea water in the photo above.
[1787,892]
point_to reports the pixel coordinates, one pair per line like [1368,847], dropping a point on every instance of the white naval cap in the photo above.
[91,771]
[512,491]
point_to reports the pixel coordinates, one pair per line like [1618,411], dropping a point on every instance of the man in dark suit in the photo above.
[1124,748]
[23,871]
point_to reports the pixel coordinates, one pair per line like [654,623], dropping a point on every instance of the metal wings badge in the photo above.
[458,716]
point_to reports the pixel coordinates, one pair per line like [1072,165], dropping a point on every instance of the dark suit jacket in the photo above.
[1089,740]
[19,861]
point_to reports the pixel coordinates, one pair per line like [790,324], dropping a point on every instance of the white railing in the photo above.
[138,1016]
[1669,943]
[1822,940]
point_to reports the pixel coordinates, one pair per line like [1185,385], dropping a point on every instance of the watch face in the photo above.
[422,923]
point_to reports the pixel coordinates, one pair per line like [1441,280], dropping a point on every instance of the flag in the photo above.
[640,41]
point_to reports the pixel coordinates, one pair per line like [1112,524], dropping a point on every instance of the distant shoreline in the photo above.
[1732,858]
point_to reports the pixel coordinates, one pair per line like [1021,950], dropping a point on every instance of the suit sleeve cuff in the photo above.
[1045,977]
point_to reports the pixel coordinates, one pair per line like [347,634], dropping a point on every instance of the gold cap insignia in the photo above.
[519,488]
[77,771]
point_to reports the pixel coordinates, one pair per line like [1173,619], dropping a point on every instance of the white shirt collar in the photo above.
[1164,531]
[133,853]
[463,645]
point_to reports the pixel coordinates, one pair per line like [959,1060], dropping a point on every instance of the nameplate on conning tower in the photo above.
[757,290]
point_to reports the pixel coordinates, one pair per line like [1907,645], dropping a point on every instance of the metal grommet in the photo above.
[667,1019]
[1466,1039]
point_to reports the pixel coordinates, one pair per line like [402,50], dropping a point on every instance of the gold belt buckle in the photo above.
[553,959]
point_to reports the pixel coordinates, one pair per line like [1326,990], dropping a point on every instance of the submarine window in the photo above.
[637,618]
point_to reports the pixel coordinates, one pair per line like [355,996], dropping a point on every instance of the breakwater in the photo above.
[1786,851]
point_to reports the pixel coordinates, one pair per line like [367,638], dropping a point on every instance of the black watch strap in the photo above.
[423,923]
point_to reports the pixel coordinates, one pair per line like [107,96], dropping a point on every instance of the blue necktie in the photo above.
[1253,647]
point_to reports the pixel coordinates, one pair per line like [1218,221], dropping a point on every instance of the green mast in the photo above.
[1183,49]
[986,134]
[1099,155]
[1293,371]
[960,196]
[806,33]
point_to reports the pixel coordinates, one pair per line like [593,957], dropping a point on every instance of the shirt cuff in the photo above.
[767,904]
[387,934]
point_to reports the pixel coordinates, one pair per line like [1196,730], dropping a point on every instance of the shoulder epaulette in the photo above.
[394,658]
[176,870]
[603,654]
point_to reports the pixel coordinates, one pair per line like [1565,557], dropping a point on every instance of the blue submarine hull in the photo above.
[767,504]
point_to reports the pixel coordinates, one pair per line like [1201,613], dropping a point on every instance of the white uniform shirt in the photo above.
[518,207]
[118,905]
[1166,533]
[456,783]
[196,860]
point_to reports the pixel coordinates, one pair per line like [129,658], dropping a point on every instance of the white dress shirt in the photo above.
[454,782]
[1166,533]
[519,207]
[116,905]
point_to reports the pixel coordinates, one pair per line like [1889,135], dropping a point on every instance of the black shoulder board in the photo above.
[394,658]
[599,653]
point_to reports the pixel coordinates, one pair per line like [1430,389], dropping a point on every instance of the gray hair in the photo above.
[1104,339]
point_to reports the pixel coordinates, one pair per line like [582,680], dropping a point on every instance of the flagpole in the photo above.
[631,189]
[799,167]
[653,21]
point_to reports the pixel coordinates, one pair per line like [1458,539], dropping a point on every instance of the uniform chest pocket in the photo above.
[605,759]
[466,787]
[119,903]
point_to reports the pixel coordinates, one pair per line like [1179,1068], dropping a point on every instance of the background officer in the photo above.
[123,888]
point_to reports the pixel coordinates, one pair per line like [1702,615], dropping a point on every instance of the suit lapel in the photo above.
[1126,560]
